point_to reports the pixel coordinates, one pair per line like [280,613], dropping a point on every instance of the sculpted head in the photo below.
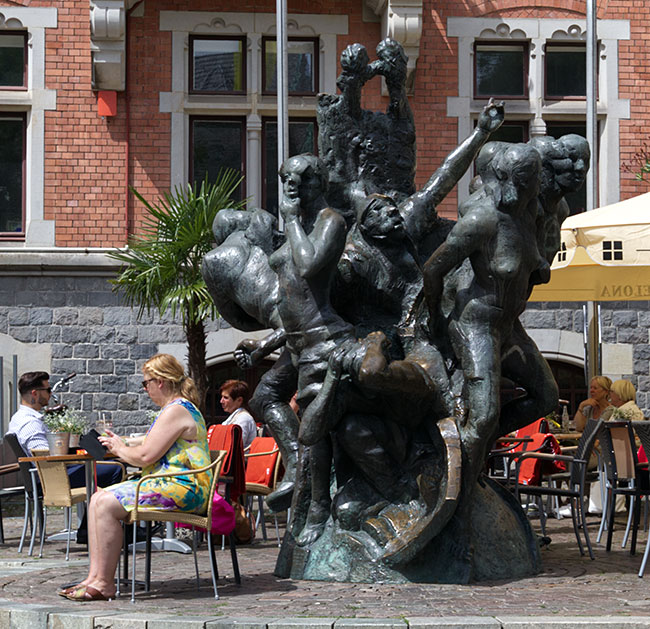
[392,54]
[228,221]
[305,176]
[261,229]
[565,163]
[380,218]
[571,175]
[354,59]
[518,168]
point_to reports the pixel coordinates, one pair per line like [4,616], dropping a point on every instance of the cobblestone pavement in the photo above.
[569,585]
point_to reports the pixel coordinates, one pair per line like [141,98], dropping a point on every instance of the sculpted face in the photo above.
[383,220]
[571,169]
[302,178]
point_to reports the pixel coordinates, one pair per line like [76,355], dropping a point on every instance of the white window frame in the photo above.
[536,110]
[253,105]
[34,101]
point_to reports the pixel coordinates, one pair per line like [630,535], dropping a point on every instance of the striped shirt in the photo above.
[27,424]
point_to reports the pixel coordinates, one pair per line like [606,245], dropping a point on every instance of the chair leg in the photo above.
[213,564]
[630,514]
[611,512]
[37,519]
[133,564]
[68,512]
[583,519]
[260,516]
[26,519]
[644,561]
[542,515]
[635,524]
[147,559]
[40,554]
[195,534]
[575,513]
[605,515]
[233,556]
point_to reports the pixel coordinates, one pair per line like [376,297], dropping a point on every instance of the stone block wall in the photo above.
[91,333]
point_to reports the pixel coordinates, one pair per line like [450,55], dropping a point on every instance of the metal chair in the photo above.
[203,521]
[33,494]
[57,493]
[8,492]
[577,481]
[618,448]
[642,430]
[263,463]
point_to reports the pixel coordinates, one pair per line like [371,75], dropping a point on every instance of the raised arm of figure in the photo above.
[458,161]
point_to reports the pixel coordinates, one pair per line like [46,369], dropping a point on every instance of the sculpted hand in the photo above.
[492,116]
[289,207]
[247,353]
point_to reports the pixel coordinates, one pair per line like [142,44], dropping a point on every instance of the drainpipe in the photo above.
[127,123]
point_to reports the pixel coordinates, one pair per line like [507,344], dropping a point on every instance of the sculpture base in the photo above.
[499,534]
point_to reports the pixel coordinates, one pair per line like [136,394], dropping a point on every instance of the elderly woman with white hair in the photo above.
[622,396]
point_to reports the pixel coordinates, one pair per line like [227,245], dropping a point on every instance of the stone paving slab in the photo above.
[571,591]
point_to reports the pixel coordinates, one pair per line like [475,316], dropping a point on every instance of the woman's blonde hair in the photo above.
[166,367]
[603,382]
[624,389]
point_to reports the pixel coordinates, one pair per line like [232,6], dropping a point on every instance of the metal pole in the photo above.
[14,397]
[595,350]
[592,95]
[283,88]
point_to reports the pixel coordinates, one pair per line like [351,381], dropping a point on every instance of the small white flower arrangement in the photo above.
[67,420]
[620,414]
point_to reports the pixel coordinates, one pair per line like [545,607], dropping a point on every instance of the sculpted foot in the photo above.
[280,499]
[316,519]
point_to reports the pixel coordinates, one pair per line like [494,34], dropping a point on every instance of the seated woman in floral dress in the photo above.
[175,442]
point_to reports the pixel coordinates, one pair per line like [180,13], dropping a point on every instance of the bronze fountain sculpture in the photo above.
[396,327]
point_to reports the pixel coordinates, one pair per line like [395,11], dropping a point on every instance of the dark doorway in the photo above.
[571,382]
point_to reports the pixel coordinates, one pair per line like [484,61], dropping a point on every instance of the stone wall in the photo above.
[90,332]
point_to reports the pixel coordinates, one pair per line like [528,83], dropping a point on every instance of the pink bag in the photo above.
[223,516]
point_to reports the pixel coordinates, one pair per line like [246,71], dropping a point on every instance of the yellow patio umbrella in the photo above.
[604,256]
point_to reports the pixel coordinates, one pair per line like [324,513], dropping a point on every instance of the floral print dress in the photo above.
[181,493]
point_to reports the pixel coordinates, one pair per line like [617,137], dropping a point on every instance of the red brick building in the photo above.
[97,96]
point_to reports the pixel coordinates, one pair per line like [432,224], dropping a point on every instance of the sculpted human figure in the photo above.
[305,265]
[237,271]
[565,163]
[246,291]
[496,231]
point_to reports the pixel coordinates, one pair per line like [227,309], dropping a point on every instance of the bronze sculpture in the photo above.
[397,326]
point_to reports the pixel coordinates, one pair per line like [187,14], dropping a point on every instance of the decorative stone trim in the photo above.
[402,21]
[108,44]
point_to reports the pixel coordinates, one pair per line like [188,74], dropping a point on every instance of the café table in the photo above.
[89,466]
[567,436]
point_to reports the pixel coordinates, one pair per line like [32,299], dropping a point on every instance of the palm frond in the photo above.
[162,265]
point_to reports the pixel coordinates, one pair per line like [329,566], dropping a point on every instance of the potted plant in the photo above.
[61,426]
[75,424]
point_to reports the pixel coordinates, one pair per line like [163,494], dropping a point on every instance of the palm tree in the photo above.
[162,264]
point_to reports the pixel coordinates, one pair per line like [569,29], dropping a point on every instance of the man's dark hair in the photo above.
[32,380]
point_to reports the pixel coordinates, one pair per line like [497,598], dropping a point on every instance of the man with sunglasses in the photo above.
[27,424]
